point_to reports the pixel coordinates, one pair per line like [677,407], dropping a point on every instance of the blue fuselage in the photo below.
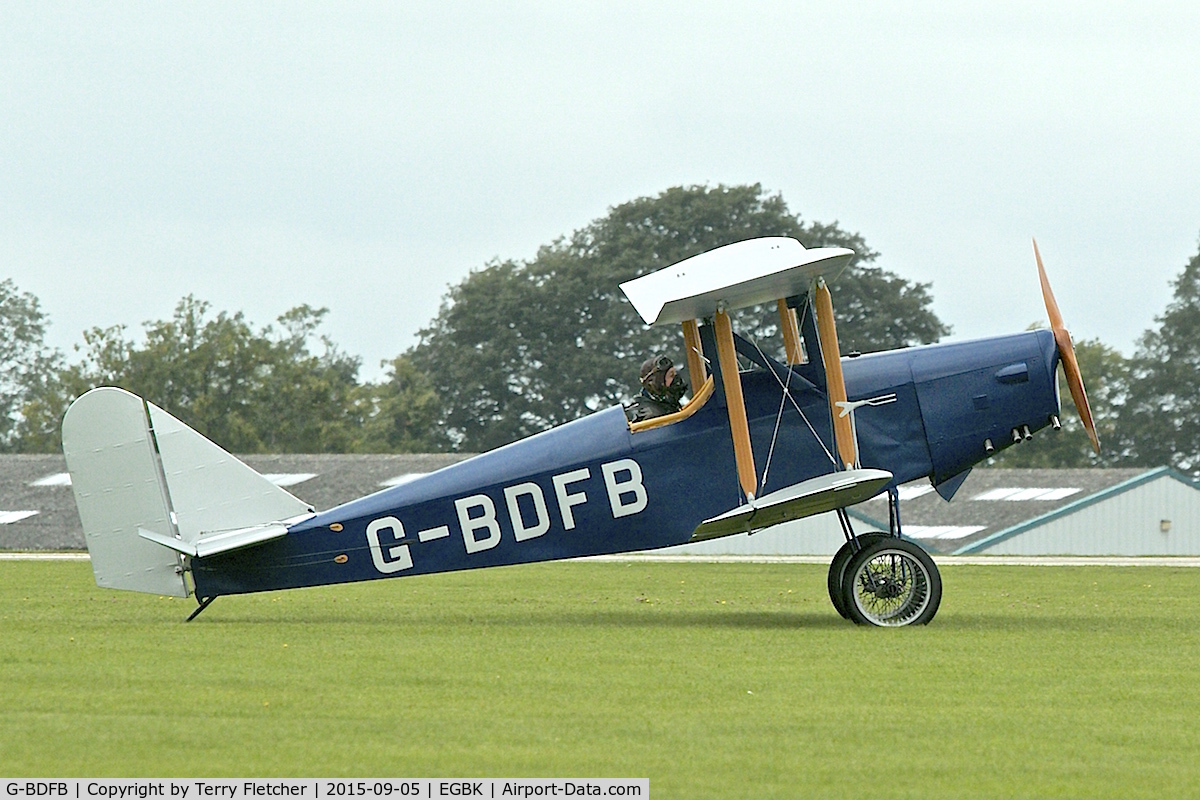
[591,486]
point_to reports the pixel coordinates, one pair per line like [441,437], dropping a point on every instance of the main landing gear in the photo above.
[880,579]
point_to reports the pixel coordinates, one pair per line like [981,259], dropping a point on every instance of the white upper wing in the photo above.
[734,276]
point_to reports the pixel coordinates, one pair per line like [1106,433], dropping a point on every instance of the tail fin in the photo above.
[152,492]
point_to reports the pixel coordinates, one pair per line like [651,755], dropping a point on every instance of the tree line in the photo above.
[519,346]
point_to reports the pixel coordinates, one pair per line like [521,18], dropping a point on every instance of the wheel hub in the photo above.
[885,587]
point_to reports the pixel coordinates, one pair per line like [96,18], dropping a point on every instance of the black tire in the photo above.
[837,568]
[891,582]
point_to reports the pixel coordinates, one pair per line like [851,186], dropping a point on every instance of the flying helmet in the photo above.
[654,379]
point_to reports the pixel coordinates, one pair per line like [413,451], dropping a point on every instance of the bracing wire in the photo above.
[787,395]
[778,416]
[829,455]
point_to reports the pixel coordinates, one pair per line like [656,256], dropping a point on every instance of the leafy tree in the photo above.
[1160,423]
[48,394]
[400,414]
[249,391]
[518,347]
[24,358]
[1106,377]
[305,402]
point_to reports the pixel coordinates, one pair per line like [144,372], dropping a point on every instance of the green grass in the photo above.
[713,680]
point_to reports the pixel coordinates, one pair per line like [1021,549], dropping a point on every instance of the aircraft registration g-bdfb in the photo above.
[166,511]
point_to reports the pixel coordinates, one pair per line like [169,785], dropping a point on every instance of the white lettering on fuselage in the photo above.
[618,489]
[440,532]
[513,495]
[528,513]
[397,557]
[565,498]
[471,523]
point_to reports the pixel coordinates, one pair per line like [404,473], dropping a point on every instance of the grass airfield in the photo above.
[712,680]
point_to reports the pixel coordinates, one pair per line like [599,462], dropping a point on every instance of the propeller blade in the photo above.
[1066,353]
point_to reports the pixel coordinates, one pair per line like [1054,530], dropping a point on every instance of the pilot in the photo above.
[662,389]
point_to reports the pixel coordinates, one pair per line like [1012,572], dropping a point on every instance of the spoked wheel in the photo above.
[891,582]
[837,569]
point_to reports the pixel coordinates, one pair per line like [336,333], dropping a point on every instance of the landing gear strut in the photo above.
[881,579]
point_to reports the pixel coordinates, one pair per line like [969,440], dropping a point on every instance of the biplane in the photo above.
[761,440]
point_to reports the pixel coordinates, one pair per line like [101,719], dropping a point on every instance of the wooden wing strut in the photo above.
[695,354]
[791,333]
[843,433]
[740,428]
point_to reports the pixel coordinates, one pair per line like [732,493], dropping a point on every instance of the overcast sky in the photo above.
[366,156]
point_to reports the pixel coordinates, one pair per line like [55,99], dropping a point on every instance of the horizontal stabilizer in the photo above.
[223,542]
[813,496]
[735,276]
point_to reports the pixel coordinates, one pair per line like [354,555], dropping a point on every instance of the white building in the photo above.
[1153,513]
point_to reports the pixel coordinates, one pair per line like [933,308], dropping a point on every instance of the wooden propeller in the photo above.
[1066,352]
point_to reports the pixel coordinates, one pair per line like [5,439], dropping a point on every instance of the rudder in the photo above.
[119,488]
